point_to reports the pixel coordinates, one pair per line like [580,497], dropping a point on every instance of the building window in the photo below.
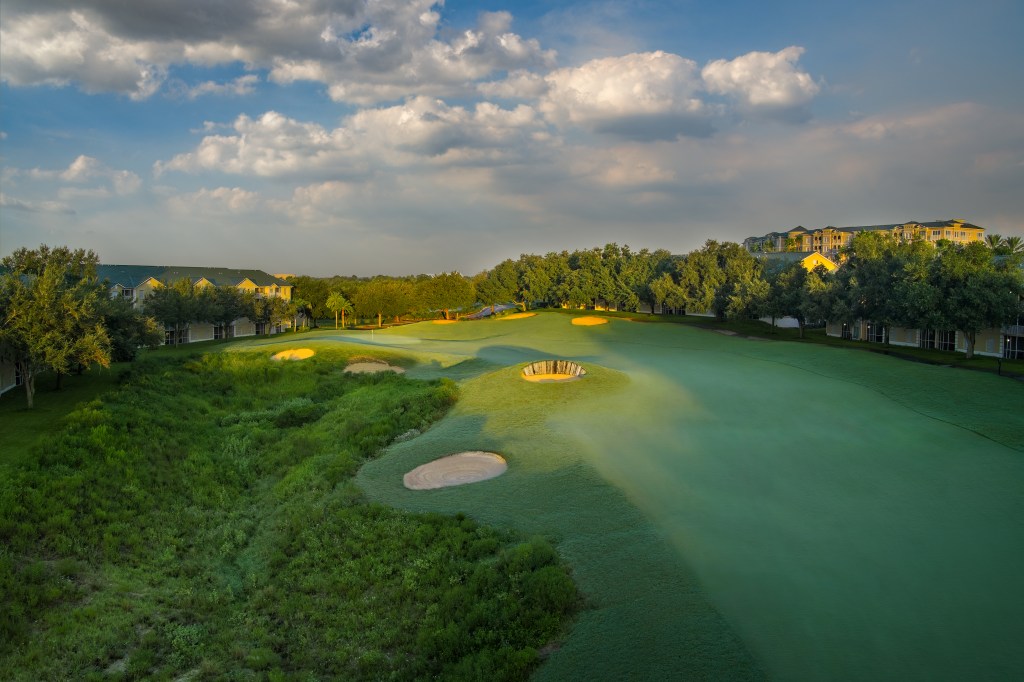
[18,378]
[936,233]
[1013,347]
[224,331]
[169,337]
[876,333]
[847,333]
[946,340]
[261,328]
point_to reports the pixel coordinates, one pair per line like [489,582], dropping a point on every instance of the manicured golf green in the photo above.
[735,507]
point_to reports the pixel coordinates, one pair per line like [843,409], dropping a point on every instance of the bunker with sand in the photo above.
[547,371]
[459,469]
[293,354]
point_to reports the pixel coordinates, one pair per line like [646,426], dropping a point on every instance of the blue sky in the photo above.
[385,136]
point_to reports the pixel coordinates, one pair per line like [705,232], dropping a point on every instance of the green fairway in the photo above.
[732,505]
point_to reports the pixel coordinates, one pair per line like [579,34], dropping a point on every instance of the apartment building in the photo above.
[829,240]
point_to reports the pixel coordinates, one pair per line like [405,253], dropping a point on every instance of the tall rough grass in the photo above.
[201,520]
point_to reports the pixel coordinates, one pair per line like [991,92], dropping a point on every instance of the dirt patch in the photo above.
[293,354]
[589,321]
[373,368]
[458,469]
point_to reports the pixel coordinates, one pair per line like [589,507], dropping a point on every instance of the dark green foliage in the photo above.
[200,519]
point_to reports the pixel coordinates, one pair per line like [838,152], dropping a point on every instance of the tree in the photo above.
[384,297]
[446,292]
[337,303]
[269,311]
[1014,245]
[973,292]
[223,305]
[177,306]
[666,292]
[128,329]
[497,285]
[50,308]
[313,292]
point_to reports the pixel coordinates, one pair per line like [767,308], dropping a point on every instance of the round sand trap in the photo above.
[445,321]
[293,354]
[589,321]
[373,367]
[547,371]
[465,467]
[517,316]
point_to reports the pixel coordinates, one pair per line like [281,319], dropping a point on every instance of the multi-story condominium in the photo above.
[829,240]
[136,282]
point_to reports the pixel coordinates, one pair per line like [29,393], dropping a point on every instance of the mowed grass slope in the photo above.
[839,514]
[200,522]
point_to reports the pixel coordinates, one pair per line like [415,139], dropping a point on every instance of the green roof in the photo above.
[131,276]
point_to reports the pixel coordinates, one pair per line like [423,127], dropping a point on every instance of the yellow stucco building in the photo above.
[829,240]
[136,282]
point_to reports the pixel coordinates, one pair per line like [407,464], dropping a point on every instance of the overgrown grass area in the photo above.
[200,520]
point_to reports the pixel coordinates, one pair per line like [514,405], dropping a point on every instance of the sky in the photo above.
[360,137]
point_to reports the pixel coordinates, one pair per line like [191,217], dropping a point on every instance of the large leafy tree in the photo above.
[972,290]
[223,305]
[385,297]
[177,306]
[313,292]
[128,329]
[51,313]
[497,285]
[446,292]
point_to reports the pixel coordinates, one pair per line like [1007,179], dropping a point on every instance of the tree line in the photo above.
[888,282]
[58,316]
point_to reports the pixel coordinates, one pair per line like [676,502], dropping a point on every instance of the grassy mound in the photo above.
[201,521]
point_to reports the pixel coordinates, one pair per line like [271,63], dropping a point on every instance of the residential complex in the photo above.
[136,282]
[829,240]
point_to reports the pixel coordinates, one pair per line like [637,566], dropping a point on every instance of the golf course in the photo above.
[733,507]
[526,495]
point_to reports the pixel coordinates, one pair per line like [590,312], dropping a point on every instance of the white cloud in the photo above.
[420,131]
[243,85]
[34,206]
[364,52]
[220,200]
[82,170]
[644,96]
[519,84]
[764,82]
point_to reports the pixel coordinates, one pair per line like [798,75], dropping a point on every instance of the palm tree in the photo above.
[994,241]
[1013,245]
[337,303]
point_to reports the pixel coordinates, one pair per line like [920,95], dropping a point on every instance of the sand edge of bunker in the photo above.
[517,316]
[293,354]
[589,321]
[461,468]
[372,367]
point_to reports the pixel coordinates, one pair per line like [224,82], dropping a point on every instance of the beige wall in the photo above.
[6,376]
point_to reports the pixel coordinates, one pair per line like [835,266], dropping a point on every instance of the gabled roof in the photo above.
[131,276]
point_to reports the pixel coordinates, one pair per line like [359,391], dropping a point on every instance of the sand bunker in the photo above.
[465,467]
[293,354]
[373,367]
[546,371]
[517,316]
[445,321]
[589,321]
